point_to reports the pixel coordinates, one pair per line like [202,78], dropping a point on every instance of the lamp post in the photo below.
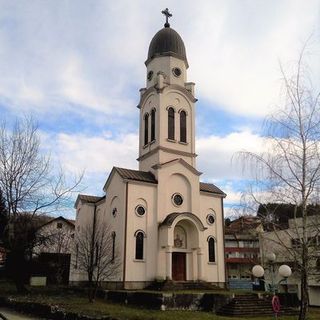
[284,271]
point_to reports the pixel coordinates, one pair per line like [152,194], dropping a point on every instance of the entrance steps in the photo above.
[170,285]
[252,305]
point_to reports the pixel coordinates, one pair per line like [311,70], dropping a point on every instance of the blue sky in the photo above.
[77,67]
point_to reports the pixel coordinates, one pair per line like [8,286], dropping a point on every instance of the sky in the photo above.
[77,67]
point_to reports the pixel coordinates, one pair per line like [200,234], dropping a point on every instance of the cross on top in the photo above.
[168,15]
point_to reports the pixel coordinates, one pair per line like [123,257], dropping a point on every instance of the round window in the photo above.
[140,210]
[210,219]
[176,72]
[177,199]
[150,75]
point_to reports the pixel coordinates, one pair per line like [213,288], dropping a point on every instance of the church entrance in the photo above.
[179,266]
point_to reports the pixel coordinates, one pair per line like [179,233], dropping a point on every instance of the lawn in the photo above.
[79,303]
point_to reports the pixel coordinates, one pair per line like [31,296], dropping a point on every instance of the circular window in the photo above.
[150,75]
[176,72]
[114,211]
[140,211]
[177,199]
[210,219]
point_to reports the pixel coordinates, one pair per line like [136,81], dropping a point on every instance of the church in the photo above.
[166,224]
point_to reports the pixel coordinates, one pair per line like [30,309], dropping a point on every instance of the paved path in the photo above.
[12,315]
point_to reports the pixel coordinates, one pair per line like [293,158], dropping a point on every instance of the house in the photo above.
[286,245]
[59,233]
[53,252]
[165,223]
[242,250]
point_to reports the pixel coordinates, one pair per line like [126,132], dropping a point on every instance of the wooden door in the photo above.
[179,266]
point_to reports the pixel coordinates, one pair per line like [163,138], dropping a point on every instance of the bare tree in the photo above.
[96,255]
[288,172]
[30,187]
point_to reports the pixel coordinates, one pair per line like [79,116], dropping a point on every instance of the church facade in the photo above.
[166,224]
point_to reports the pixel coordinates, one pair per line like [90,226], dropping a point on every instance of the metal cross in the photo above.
[168,15]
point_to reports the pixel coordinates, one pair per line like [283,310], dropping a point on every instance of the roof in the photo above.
[147,176]
[167,42]
[244,224]
[68,221]
[136,175]
[89,199]
[209,187]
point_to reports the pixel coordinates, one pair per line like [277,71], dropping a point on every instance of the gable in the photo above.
[180,161]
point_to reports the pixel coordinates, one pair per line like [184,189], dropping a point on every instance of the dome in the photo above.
[167,42]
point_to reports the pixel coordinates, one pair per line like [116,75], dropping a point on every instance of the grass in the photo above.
[79,303]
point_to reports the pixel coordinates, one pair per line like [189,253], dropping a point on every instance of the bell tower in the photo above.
[167,115]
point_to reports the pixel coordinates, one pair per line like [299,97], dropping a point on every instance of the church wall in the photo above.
[164,65]
[176,178]
[145,195]
[176,99]
[170,98]
[215,272]
[151,102]
[84,216]
[115,199]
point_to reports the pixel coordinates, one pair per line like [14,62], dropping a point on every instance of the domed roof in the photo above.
[167,42]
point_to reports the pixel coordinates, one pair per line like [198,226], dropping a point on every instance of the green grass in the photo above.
[79,303]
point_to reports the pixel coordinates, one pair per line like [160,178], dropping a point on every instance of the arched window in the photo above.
[139,245]
[183,126]
[113,235]
[171,123]
[146,128]
[153,124]
[211,249]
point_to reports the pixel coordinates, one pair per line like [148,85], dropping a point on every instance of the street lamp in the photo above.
[284,271]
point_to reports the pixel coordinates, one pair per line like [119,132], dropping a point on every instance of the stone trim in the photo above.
[169,150]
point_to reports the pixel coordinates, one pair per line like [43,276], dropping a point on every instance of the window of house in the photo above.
[183,126]
[153,124]
[296,243]
[171,123]
[139,245]
[59,225]
[211,249]
[146,128]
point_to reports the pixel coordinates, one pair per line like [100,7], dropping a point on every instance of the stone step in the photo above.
[251,305]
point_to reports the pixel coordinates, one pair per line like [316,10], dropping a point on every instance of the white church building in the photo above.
[166,224]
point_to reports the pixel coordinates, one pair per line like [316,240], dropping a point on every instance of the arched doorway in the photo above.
[185,238]
[179,267]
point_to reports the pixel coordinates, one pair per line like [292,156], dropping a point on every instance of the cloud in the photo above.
[235,48]
[55,55]
[217,154]
[98,154]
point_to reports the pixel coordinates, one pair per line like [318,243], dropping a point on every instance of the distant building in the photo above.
[286,244]
[242,250]
[53,255]
[60,234]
